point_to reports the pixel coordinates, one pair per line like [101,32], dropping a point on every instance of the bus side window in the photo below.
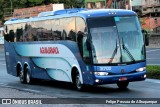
[80,25]
[46,30]
[58,35]
[6,35]
[27,32]
[80,42]
[50,36]
[11,36]
[19,34]
[64,35]
[72,35]
[69,26]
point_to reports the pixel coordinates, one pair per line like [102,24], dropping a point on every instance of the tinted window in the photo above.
[69,28]
[101,22]
[47,30]
[9,33]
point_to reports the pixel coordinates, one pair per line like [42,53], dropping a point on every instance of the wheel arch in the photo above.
[26,64]
[19,67]
[74,72]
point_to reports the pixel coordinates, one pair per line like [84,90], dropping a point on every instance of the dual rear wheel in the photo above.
[25,76]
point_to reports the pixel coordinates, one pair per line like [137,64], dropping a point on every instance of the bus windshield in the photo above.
[116,40]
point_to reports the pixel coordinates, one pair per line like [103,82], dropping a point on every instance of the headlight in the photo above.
[101,73]
[141,69]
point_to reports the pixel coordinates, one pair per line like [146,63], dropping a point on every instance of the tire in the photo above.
[28,77]
[123,84]
[21,76]
[78,83]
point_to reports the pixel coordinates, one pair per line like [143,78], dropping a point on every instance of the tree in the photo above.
[31,3]
[4,6]
[7,6]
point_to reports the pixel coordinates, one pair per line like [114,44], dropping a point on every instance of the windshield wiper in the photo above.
[129,53]
[114,53]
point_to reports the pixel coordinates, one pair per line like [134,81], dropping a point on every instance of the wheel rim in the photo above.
[27,77]
[78,82]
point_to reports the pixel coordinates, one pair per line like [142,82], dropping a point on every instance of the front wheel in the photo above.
[78,83]
[123,84]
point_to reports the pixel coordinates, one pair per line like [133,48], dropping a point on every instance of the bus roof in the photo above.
[107,12]
[85,13]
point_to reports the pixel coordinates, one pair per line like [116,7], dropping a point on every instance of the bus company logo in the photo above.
[122,71]
[6,101]
[49,50]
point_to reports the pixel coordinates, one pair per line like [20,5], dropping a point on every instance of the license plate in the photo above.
[123,79]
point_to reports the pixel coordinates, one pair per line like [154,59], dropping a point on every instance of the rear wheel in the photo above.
[123,84]
[28,76]
[21,76]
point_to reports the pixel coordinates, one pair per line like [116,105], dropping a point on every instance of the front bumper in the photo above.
[109,79]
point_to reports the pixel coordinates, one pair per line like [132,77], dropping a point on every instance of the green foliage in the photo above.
[153,71]
[34,2]
[7,6]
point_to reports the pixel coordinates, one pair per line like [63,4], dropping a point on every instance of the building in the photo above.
[116,4]
[151,15]
[137,6]
[147,10]
[34,11]
[151,7]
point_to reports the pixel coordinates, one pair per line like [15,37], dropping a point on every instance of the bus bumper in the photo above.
[109,79]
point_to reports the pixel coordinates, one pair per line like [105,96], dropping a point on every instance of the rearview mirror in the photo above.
[146,37]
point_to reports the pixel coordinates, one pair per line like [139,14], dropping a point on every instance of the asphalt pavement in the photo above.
[153,56]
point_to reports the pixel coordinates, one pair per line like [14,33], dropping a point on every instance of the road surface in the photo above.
[153,56]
